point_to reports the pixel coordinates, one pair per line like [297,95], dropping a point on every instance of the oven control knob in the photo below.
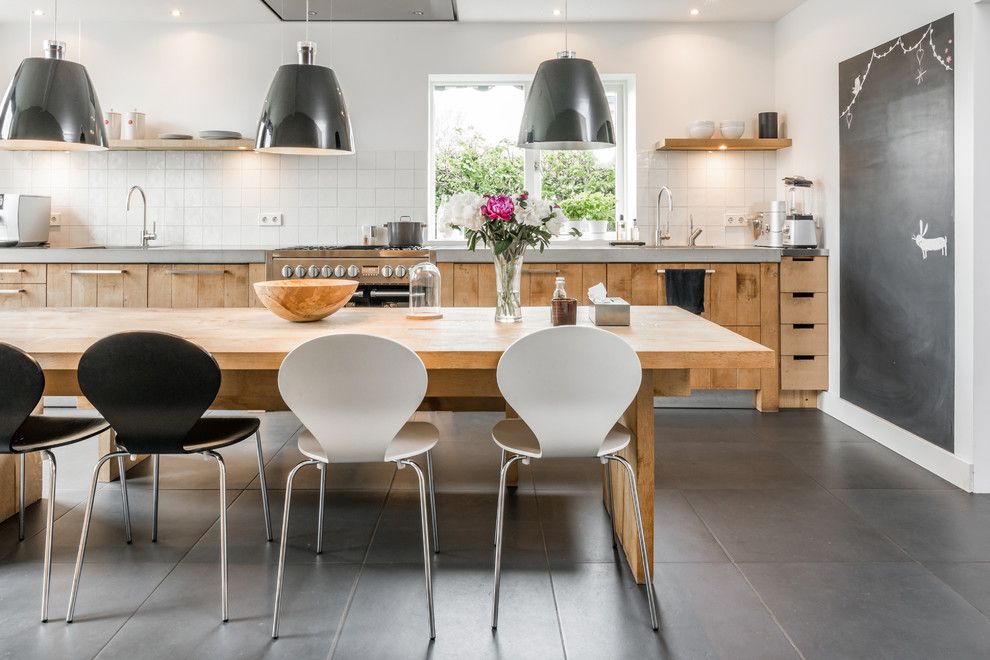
[386,271]
[286,271]
[353,271]
[300,271]
[400,271]
[327,271]
[314,271]
[339,271]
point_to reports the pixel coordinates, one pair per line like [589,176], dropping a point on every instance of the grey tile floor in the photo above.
[777,536]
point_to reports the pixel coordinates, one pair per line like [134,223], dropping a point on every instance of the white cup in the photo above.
[111,121]
[132,127]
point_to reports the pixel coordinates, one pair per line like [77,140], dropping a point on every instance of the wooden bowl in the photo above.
[302,301]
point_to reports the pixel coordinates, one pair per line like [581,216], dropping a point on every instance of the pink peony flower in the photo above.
[498,207]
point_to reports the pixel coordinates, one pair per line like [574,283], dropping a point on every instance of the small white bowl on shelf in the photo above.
[732,129]
[701,129]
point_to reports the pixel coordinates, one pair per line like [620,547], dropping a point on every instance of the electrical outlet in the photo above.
[735,220]
[271,219]
[55,219]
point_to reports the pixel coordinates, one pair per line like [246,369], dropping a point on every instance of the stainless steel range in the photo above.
[382,273]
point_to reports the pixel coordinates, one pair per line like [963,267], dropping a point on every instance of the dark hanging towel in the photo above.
[686,289]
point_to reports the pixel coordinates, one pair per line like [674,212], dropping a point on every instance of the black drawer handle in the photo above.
[803,258]
[804,358]
[803,326]
[803,294]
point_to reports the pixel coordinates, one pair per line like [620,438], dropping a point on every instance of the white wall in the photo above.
[191,77]
[981,236]
[809,43]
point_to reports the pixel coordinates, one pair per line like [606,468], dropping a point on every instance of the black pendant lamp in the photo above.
[51,105]
[566,108]
[304,113]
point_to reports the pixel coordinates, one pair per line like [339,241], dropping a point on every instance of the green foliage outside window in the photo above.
[574,179]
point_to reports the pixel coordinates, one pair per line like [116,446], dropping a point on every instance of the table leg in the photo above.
[639,453]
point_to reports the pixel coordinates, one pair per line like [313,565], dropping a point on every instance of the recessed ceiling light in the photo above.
[38,12]
[556,12]
[176,13]
[313,13]
[418,12]
[695,11]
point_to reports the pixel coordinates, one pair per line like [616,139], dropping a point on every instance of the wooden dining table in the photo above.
[461,352]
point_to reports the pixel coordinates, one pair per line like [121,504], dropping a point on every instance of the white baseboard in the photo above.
[934,459]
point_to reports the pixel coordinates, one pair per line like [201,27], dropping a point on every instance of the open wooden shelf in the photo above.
[181,145]
[716,144]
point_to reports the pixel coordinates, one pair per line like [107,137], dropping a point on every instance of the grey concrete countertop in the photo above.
[609,254]
[127,255]
[444,253]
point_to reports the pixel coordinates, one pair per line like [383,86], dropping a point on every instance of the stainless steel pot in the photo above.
[405,233]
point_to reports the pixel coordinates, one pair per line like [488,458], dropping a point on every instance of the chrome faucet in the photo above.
[146,236]
[695,233]
[664,234]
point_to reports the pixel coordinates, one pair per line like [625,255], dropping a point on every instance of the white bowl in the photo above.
[732,130]
[702,129]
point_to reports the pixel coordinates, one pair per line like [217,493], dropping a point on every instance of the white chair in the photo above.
[355,394]
[569,385]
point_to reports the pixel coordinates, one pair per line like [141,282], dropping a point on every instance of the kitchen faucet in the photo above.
[146,236]
[695,233]
[664,234]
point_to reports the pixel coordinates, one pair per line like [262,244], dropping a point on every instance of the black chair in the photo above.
[22,382]
[153,389]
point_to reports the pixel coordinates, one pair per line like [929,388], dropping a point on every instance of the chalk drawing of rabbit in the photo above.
[930,244]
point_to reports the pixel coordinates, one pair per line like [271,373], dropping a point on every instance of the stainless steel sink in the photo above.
[688,247]
[117,247]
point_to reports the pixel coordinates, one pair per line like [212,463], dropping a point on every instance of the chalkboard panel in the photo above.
[897,303]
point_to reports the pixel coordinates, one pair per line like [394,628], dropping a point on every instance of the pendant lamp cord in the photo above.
[307,20]
[566,45]
[281,36]
[55,19]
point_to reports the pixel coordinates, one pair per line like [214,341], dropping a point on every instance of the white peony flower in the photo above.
[536,211]
[556,221]
[462,210]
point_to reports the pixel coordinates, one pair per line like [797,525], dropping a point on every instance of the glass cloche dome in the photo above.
[424,292]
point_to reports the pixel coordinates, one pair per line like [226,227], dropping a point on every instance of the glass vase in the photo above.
[508,275]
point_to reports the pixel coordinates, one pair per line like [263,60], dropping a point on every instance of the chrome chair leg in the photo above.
[501,464]
[21,494]
[155,466]
[499,520]
[426,538]
[264,489]
[284,535]
[223,531]
[322,467]
[49,526]
[642,537]
[123,494]
[611,501]
[87,518]
[433,501]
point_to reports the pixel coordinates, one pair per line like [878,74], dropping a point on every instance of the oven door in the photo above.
[384,295]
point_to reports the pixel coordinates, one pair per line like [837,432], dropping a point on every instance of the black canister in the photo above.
[768,126]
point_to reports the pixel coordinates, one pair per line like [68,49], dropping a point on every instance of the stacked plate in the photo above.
[219,135]
[174,136]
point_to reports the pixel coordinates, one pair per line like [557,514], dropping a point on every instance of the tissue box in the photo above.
[611,311]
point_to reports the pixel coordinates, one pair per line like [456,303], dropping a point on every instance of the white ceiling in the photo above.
[254,11]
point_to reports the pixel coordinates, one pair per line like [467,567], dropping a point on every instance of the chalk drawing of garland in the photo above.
[919,49]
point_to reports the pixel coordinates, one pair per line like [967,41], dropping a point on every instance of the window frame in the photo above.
[624,85]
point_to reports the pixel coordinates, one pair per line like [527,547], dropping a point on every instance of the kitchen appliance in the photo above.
[771,225]
[800,228]
[24,220]
[382,273]
[405,233]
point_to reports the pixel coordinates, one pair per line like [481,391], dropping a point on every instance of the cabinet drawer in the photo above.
[22,295]
[804,339]
[804,274]
[804,372]
[22,273]
[803,307]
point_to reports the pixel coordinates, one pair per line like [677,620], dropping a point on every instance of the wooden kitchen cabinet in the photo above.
[22,285]
[803,330]
[199,285]
[473,285]
[97,285]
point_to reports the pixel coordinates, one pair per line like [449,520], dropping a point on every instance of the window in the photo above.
[474,126]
